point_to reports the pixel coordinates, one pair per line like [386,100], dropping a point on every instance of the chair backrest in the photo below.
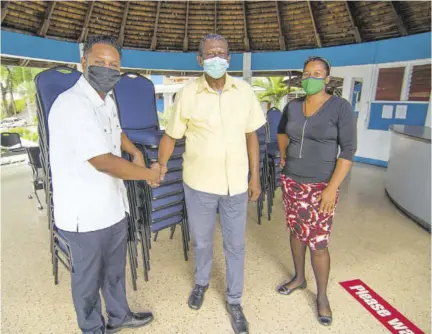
[273,118]
[49,85]
[9,139]
[34,156]
[136,102]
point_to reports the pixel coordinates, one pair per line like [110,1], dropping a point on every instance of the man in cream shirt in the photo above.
[219,116]
[88,192]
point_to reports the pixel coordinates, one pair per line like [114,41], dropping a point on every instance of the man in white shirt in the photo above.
[90,202]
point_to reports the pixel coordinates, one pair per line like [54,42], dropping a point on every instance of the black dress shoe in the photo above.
[134,320]
[196,297]
[238,319]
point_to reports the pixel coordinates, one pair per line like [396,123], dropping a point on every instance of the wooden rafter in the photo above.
[399,22]
[47,19]
[282,44]
[215,17]
[4,9]
[317,36]
[123,24]
[84,31]
[246,38]
[154,39]
[350,10]
[24,62]
[186,39]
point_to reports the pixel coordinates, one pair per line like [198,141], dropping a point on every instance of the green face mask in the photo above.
[313,85]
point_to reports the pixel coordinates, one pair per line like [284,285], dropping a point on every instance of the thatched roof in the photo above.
[248,25]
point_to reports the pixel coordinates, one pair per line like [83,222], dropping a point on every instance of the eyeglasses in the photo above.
[314,74]
[210,55]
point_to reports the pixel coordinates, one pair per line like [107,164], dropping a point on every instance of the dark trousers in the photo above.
[99,263]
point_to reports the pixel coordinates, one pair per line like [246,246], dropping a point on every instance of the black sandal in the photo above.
[284,290]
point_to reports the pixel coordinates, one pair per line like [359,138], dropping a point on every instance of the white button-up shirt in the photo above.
[82,126]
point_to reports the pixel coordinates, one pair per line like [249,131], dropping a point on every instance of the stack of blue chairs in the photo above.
[273,157]
[263,169]
[152,209]
[49,85]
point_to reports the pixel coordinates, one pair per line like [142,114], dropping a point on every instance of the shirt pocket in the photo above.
[206,111]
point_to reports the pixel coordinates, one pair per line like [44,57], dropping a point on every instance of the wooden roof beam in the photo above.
[4,9]
[186,39]
[24,62]
[215,17]
[246,38]
[399,22]
[350,9]
[154,39]
[47,19]
[317,36]
[123,24]
[282,44]
[85,29]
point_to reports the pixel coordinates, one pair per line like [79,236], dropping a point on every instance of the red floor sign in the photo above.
[379,308]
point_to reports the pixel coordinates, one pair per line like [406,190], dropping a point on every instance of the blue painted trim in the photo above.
[375,162]
[416,115]
[397,49]
[391,50]
[22,45]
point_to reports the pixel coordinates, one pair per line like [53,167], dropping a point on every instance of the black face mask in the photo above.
[103,79]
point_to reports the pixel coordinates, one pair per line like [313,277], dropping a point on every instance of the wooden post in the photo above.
[47,19]
[281,35]
[154,39]
[349,6]
[186,39]
[246,38]
[317,36]
[123,24]
[84,31]
[4,9]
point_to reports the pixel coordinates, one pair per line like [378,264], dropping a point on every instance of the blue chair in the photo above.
[273,118]
[49,85]
[162,207]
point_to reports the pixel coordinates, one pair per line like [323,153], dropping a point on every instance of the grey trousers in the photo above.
[202,210]
[99,262]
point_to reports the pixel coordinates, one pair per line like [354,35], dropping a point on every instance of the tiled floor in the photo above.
[371,240]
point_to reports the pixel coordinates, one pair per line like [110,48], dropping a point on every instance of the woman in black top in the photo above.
[310,134]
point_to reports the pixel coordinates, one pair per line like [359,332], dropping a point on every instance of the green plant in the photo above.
[274,90]
[25,133]
[164,117]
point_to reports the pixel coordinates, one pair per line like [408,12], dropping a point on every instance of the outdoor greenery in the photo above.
[164,117]
[25,133]
[274,90]
[16,80]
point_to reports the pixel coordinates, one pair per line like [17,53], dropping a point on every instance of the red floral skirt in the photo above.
[303,218]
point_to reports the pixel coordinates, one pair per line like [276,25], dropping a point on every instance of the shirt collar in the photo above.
[203,84]
[90,92]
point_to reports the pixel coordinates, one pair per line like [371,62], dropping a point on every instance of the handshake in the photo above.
[157,174]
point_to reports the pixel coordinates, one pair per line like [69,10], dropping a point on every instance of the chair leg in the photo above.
[132,265]
[172,231]
[155,236]
[40,207]
[55,268]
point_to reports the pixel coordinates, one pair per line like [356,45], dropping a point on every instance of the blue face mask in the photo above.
[216,67]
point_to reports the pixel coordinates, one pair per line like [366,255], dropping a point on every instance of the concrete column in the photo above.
[79,66]
[347,88]
[428,121]
[247,67]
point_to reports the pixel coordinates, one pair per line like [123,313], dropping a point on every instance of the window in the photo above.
[420,87]
[390,84]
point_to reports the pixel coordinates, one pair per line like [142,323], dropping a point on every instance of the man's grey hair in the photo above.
[211,37]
